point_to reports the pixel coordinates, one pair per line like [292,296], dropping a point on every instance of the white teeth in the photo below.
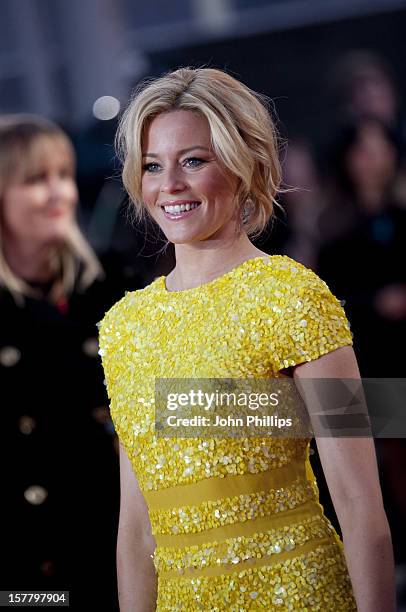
[179,208]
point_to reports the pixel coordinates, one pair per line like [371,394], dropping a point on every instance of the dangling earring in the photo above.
[246,210]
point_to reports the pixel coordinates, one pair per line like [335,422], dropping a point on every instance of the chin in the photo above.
[58,236]
[180,240]
[184,237]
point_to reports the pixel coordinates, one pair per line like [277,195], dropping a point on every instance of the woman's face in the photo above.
[187,191]
[39,207]
[371,162]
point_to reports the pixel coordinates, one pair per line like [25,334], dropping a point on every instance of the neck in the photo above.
[30,262]
[199,264]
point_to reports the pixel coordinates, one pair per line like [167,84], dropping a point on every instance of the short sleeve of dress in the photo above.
[312,321]
[110,341]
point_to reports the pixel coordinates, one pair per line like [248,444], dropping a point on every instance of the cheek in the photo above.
[214,184]
[223,188]
[19,223]
[386,155]
[71,194]
[16,210]
[148,192]
[355,164]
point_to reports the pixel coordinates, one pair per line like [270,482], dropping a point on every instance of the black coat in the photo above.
[60,481]
[370,257]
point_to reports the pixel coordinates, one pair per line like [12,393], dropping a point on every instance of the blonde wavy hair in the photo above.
[74,260]
[244,136]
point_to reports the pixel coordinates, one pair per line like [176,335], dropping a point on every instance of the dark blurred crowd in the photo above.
[347,221]
[344,215]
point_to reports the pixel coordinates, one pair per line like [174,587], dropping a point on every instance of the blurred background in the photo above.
[335,72]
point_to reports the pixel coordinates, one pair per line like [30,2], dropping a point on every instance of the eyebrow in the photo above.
[181,152]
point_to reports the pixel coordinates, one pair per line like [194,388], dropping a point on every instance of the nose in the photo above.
[55,187]
[173,181]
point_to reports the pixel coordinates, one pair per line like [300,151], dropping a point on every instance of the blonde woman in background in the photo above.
[60,484]
[229,524]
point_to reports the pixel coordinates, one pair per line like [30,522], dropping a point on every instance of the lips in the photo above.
[56,212]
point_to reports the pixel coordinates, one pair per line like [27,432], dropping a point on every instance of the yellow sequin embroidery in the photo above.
[263,316]
[317,581]
[241,508]
[233,551]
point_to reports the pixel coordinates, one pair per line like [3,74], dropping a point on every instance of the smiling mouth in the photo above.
[56,212]
[177,210]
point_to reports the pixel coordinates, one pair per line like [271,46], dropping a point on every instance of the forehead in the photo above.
[51,150]
[43,153]
[176,130]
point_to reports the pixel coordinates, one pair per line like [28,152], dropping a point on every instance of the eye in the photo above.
[151,167]
[31,179]
[66,173]
[193,162]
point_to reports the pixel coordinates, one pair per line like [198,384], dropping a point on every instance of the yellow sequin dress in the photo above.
[237,522]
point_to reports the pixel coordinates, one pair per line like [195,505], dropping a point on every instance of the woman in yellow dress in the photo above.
[229,524]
